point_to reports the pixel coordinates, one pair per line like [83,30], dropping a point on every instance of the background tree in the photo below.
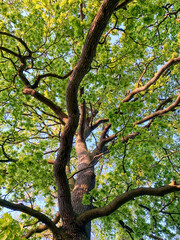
[89,119]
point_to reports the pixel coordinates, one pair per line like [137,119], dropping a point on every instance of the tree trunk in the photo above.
[78,235]
[85,181]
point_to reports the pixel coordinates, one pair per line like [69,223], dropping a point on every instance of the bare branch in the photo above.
[9,159]
[145,69]
[110,30]
[89,130]
[167,155]
[21,74]
[82,116]
[104,132]
[167,15]
[124,198]
[155,237]
[123,4]
[93,162]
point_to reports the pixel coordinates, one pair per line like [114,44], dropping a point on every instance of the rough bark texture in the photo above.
[85,181]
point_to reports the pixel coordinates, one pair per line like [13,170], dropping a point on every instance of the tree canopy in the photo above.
[89,116]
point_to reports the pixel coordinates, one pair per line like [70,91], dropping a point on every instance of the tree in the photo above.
[89,119]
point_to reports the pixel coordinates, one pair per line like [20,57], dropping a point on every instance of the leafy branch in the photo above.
[160,112]
[34,213]
[153,80]
[124,198]
[41,228]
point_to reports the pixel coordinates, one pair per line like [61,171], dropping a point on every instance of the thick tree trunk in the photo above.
[85,181]
[78,235]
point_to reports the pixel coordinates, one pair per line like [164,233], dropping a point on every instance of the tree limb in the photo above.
[123,4]
[124,198]
[160,112]
[18,39]
[89,130]
[153,80]
[82,116]
[9,51]
[34,213]
[155,237]
[9,159]
[56,109]
[41,228]
[39,77]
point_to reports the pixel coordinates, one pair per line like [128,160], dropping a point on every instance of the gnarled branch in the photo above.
[18,39]
[80,70]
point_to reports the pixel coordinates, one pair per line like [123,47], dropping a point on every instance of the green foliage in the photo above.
[10,228]
[147,34]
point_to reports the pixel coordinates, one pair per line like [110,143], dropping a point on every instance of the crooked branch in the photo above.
[9,51]
[80,70]
[19,40]
[89,130]
[9,159]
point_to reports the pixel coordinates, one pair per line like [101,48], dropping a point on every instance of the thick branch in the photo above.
[34,213]
[123,4]
[124,198]
[89,130]
[153,80]
[21,73]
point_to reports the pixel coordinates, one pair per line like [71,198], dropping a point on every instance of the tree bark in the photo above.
[85,181]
